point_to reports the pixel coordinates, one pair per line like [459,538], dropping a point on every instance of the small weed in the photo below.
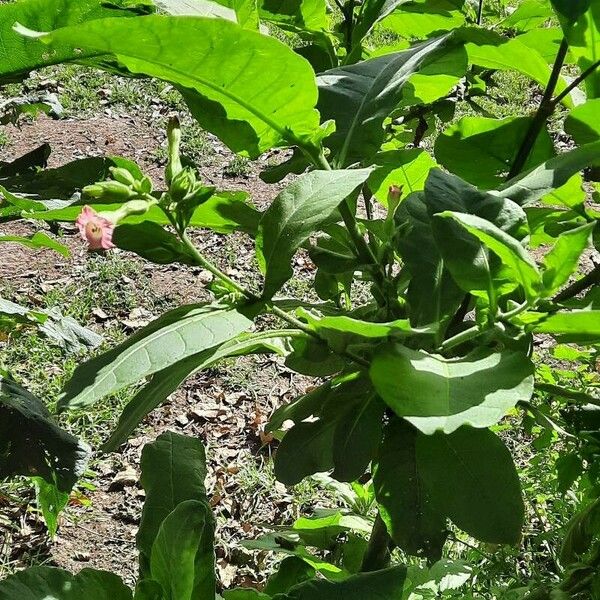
[4,139]
[238,166]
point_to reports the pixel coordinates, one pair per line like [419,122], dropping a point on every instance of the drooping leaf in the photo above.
[177,334]
[182,554]
[507,248]
[482,150]
[296,213]
[438,394]
[47,583]
[529,187]
[31,443]
[581,531]
[165,382]
[404,504]
[51,501]
[173,471]
[476,466]
[359,98]
[230,92]
[562,260]
[578,326]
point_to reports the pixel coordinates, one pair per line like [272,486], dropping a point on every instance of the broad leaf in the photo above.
[37,240]
[386,584]
[165,382]
[234,90]
[291,571]
[438,394]
[482,150]
[31,443]
[485,499]
[51,501]
[507,248]
[359,98]
[561,262]
[182,554]
[172,337]
[411,519]
[46,583]
[297,212]
[579,326]
[530,187]
[370,13]
[582,123]
[20,55]
[173,471]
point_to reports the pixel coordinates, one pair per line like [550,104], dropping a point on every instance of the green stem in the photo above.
[480,12]
[461,338]
[545,109]
[575,83]
[592,278]
[514,312]
[377,556]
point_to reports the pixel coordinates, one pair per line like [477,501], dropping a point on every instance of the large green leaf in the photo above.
[380,585]
[182,559]
[169,339]
[405,507]
[165,382]
[482,150]
[359,98]
[46,583]
[580,326]
[470,476]
[31,443]
[19,55]
[438,394]
[562,260]
[582,123]
[405,168]
[250,90]
[554,173]
[370,13]
[297,212]
[507,248]
[173,471]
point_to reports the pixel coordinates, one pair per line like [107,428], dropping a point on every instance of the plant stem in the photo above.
[545,109]
[377,555]
[575,83]
[480,12]
[461,338]
[592,278]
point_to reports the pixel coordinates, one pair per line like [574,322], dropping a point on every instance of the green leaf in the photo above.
[297,212]
[307,14]
[579,326]
[530,187]
[312,357]
[582,122]
[165,382]
[46,583]
[404,504]
[545,40]
[173,471]
[407,169]
[507,248]
[561,262]
[372,12]
[20,55]
[438,394]
[386,584]
[152,242]
[31,443]
[476,466]
[37,240]
[482,150]
[292,571]
[182,555]
[570,9]
[581,532]
[51,501]
[172,337]
[234,96]
[530,14]
[360,97]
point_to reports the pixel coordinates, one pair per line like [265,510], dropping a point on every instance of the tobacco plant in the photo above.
[430,298]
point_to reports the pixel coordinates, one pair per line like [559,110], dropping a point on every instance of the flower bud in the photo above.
[122,176]
[393,199]
[174,165]
[109,191]
[183,184]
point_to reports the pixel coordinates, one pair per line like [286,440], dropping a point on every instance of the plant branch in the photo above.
[461,338]
[592,278]
[545,109]
[377,555]
[575,83]
[480,12]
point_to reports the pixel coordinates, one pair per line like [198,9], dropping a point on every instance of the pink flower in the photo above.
[95,230]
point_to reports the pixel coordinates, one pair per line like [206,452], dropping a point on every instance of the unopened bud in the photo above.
[183,183]
[393,199]
[109,191]
[174,165]
[122,176]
